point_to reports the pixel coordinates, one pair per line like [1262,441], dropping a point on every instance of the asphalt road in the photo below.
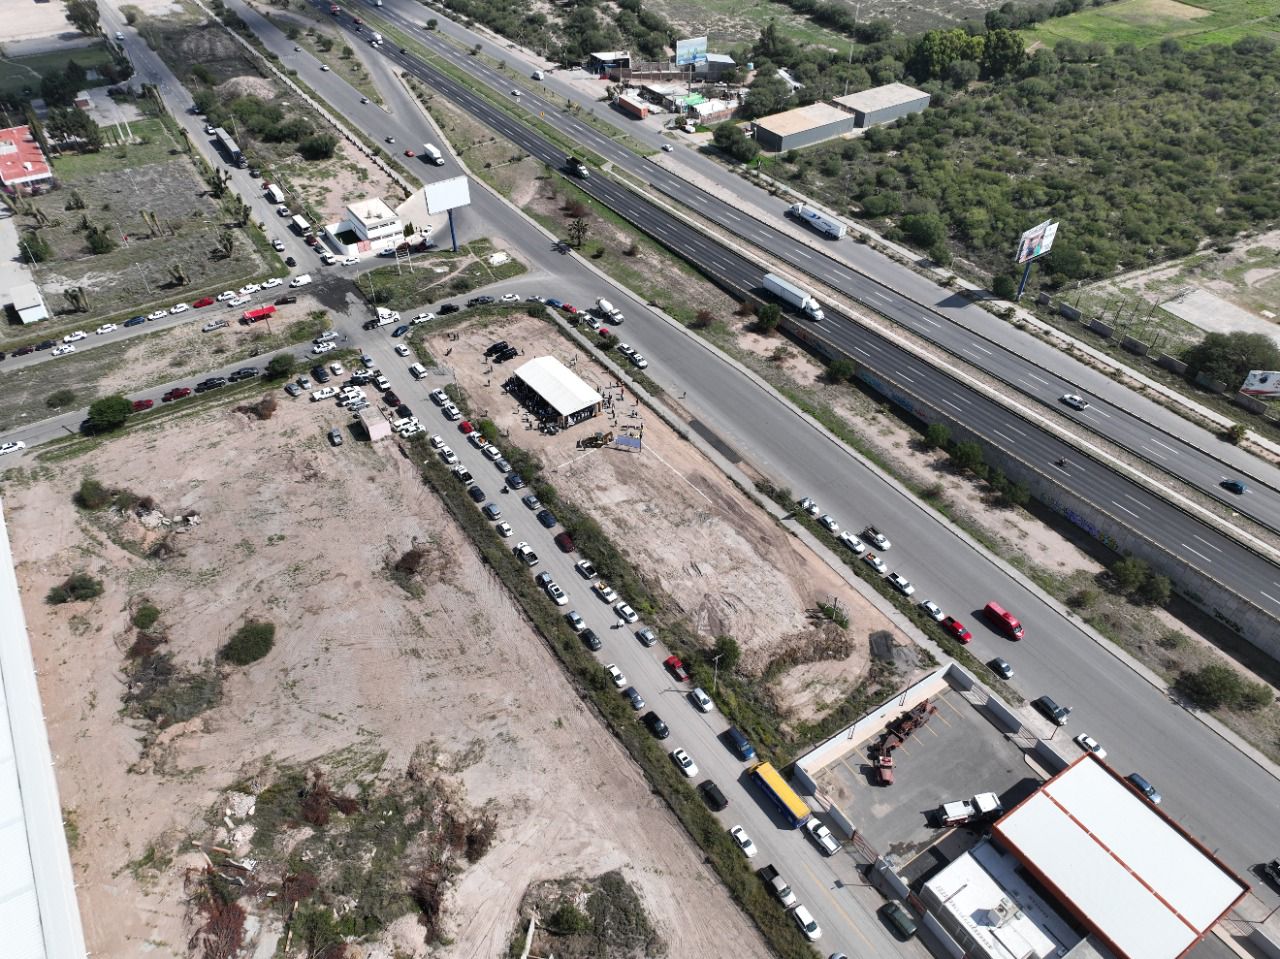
[1212,789]
[1233,566]
[1040,371]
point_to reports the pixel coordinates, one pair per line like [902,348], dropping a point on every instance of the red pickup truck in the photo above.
[677,668]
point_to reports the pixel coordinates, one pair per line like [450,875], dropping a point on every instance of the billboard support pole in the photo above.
[453,234]
[1022,285]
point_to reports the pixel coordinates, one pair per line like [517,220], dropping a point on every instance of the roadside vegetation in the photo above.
[417,283]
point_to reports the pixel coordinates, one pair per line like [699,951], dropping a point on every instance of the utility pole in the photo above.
[715,674]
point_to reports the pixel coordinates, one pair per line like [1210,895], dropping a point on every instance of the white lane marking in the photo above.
[1016,430]
[1126,509]
[982,348]
[1165,445]
[1197,552]
[1207,543]
[925,319]
[1138,501]
[803,254]
[953,406]
[1094,409]
[1153,452]
[1038,379]
[907,378]
[1270,597]
[880,296]
[860,350]
[1003,437]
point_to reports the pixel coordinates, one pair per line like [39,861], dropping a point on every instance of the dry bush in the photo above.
[411,561]
[264,409]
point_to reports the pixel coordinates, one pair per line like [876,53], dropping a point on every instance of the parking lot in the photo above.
[955,754]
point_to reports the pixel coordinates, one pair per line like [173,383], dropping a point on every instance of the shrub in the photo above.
[703,319]
[937,436]
[250,643]
[768,318]
[1129,573]
[841,371]
[966,457]
[92,494]
[60,398]
[77,588]
[1216,685]
[1004,287]
[145,616]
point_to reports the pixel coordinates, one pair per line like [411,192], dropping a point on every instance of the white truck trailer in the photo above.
[432,152]
[824,224]
[793,295]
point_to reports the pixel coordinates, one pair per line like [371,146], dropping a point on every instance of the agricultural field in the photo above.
[168,239]
[1143,22]
[387,764]
[20,74]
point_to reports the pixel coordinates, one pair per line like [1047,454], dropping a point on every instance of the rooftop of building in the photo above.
[21,159]
[802,118]
[878,98]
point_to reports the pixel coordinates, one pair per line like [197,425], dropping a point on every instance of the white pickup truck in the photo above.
[780,887]
[327,393]
[820,834]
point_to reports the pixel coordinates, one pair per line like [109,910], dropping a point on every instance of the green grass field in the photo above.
[1143,22]
[20,72]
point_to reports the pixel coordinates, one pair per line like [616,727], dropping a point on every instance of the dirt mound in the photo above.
[247,87]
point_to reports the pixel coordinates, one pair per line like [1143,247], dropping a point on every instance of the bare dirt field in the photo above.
[685,526]
[297,533]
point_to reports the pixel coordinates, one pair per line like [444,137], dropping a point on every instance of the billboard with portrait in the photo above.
[693,50]
[1037,241]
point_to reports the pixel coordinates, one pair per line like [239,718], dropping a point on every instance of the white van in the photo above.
[432,153]
[538,74]
[418,371]
[302,280]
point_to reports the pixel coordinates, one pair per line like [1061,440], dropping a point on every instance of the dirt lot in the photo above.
[298,533]
[686,527]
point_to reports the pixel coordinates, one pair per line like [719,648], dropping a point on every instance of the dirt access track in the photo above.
[682,522]
[299,533]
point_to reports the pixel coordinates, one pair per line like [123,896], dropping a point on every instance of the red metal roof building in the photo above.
[22,162]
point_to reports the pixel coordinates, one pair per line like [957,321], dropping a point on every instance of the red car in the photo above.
[206,301]
[466,427]
[177,393]
[140,405]
[569,308]
[677,668]
[408,153]
[956,629]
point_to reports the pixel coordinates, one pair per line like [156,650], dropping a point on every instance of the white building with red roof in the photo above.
[23,165]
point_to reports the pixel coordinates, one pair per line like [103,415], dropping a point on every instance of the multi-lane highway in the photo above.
[1239,569]
[1039,373]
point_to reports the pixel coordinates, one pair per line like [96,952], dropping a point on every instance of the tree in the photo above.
[1003,53]
[1156,590]
[78,587]
[84,16]
[1003,286]
[36,247]
[937,436]
[226,244]
[578,230]
[99,240]
[767,95]
[433,23]
[1230,356]
[939,49]
[108,413]
[841,371]
[768,318]
[966,457]
[728,650]
[728,136]
[281,366]
[1129,573]
[1211,686]
[924,229]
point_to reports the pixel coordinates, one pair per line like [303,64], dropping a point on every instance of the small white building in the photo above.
[28,303]
[370,226]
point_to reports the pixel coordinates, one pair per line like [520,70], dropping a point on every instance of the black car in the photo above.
[480,301]
[46,345]
[390,398]
[320,374]
[589,637]
[496,348]
[448,308]
[369,325]
[404,411]
[359,379]
[633,697]
[476,493]
[286,300]
[211,384]
[515,481]
[247,373]
[400,330]
[24,350]
[135,321]
[712,795]
[547,518]
[290,261]
[655,724]
[509,353]
[3,354]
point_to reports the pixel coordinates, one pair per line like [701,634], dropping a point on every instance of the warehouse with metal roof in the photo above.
[884,104]
[802,127]
[1141,885]
[553,392]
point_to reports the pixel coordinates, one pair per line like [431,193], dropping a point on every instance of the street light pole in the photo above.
[715,675]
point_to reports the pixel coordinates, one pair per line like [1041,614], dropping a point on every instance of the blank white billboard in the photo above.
[448,194]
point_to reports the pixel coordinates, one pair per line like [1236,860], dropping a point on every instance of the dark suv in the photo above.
[712,795]
[589,637]
[655,724]
[1052,711]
